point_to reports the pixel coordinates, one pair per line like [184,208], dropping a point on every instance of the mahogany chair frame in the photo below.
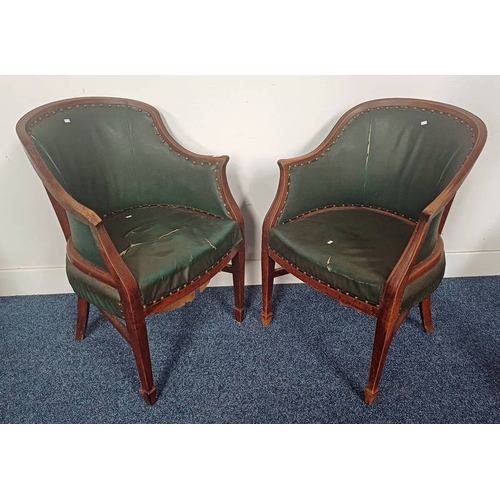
[118,275]
[388,312]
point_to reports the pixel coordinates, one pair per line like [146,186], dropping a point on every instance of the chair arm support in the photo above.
[115,265]
[276,206]
[227,196]
[390,302]
[127,284]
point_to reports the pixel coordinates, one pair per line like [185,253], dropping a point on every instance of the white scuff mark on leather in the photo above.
[367,156]
[210,243]
[328,262]
[131,245]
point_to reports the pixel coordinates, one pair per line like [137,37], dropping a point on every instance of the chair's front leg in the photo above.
[387,326]
[383,335]
[267,288]
[238,265]
[135,321]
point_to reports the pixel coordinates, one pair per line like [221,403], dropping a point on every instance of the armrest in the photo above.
[116,268]
[390,302]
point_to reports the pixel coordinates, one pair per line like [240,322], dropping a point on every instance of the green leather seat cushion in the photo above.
[353,250]
[166,248]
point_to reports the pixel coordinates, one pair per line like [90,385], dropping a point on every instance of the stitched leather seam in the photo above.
[350,205]
[135,108]
[116,212]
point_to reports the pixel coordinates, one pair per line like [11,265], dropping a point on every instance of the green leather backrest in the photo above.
[398,159]
[111,157]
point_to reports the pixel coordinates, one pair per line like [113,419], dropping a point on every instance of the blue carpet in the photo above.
[309,366]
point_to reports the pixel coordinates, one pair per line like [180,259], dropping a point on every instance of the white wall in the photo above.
[256,120]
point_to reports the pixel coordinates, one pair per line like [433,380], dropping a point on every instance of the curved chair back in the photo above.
[108,155]
[394,154]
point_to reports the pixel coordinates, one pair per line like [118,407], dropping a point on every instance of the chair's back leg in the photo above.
[238,266]
[267,288]
[82,318]
[426,314]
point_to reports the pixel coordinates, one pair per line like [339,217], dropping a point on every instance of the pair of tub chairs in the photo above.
[149,223]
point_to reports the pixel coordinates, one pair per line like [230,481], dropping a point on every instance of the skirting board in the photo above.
[42,281]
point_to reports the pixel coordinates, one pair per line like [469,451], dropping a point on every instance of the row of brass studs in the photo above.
[101,105]
[201,212]
[326,284]
[187,284]
[350,205]
[348,123]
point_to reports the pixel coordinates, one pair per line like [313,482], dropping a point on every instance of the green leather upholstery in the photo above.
[111,158]
[94,291]
[167,248]
[164,248]
[351,249]
[399,159]
[396,158]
